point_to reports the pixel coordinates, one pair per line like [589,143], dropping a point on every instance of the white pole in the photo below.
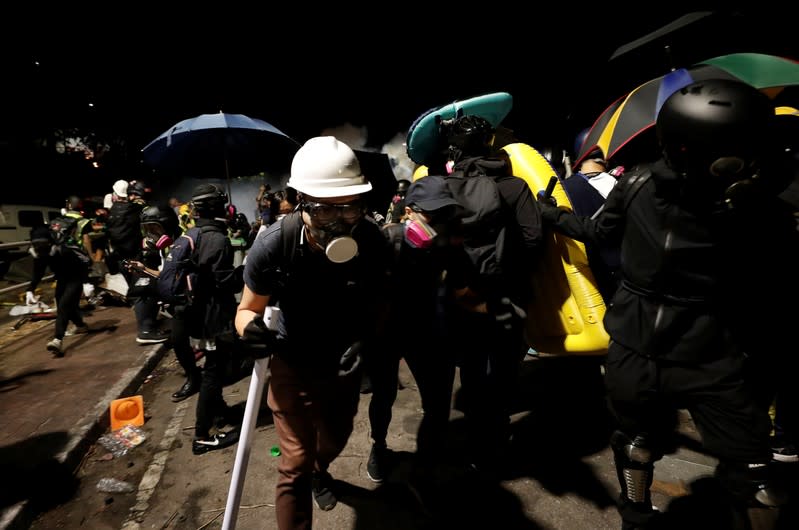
[259,380]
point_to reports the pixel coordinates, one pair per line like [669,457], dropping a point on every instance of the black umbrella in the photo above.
[222,146]
[376,167]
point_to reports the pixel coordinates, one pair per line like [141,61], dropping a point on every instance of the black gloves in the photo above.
[258,340]
[506,312]
[351,359]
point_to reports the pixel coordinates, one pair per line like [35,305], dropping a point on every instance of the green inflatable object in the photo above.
[423,135]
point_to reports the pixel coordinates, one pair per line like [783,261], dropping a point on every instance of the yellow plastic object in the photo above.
[566,315]
[419,172]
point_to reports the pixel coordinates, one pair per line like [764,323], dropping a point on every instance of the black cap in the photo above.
[429,194]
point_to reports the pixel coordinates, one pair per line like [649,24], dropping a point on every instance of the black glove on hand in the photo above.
[506,312]
[545,196]
[547,199]
[258,339]
[351,359]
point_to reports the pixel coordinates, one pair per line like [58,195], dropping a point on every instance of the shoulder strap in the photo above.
[395,233]
[635,184]
[289,235]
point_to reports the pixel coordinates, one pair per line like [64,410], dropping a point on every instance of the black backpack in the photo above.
[178,278]
[65,239]
[62,231]
[484,226]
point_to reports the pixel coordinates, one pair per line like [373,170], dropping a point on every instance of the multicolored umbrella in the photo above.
[633,114]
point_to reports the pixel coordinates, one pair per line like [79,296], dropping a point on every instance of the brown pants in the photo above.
[313,417]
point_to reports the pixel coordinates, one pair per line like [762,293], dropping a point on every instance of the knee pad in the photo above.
[635,464]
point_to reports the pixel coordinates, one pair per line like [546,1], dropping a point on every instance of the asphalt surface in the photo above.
[53,410]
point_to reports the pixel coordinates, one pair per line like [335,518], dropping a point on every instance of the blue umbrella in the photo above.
[222,146]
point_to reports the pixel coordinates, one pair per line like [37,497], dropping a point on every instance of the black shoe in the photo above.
[152,337]
[377,465]
[783,450]
[424,492]
[212,443]
[189,388]
[323,496]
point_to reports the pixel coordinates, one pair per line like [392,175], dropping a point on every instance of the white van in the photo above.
[16,220]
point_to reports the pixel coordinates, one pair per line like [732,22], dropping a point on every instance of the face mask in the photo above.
[335,239]
[419,234]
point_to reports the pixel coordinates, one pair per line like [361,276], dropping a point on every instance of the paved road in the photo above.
[53,411]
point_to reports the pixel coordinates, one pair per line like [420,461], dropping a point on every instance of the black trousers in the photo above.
[179,337]
[67,298]
[210,403]
[645,392]
[490,359]
[433,369]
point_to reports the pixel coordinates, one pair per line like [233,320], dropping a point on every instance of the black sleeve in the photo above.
[39,268]
[602,229]
[526,214]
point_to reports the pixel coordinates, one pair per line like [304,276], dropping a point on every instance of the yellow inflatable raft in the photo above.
[566,315]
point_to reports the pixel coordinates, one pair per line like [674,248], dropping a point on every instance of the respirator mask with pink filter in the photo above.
[419,234]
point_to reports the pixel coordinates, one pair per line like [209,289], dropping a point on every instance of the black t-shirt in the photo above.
[325,306]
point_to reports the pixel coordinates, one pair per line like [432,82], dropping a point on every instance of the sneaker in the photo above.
[218,441]
[55,347]
[152,337]
[77,330]
[784,452]
[377,464]
[323,495]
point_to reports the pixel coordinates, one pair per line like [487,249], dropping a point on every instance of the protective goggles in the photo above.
[328,213]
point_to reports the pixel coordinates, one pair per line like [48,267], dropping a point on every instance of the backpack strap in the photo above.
[634,185]
[394,233]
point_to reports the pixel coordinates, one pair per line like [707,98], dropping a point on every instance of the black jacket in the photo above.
[214,305]
[124,229]
[697,281]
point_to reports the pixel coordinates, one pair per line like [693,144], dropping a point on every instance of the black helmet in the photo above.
[209,200]
[402,186]
[717,127]
[74,203]
[470,134]
[162,215]
[138,188]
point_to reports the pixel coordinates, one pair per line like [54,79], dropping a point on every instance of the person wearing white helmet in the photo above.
[324,266]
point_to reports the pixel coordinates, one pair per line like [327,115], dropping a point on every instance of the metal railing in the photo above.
[14,244]
[19,286]
[25,285]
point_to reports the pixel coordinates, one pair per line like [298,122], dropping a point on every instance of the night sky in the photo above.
[303,73]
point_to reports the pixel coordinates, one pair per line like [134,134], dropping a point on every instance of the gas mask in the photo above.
[336,240]
[331,228]
[419,234]
[163,242]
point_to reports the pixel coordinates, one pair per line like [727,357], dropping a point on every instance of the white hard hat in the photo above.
[325,167]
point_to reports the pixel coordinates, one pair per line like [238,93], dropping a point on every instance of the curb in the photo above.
[87,431]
